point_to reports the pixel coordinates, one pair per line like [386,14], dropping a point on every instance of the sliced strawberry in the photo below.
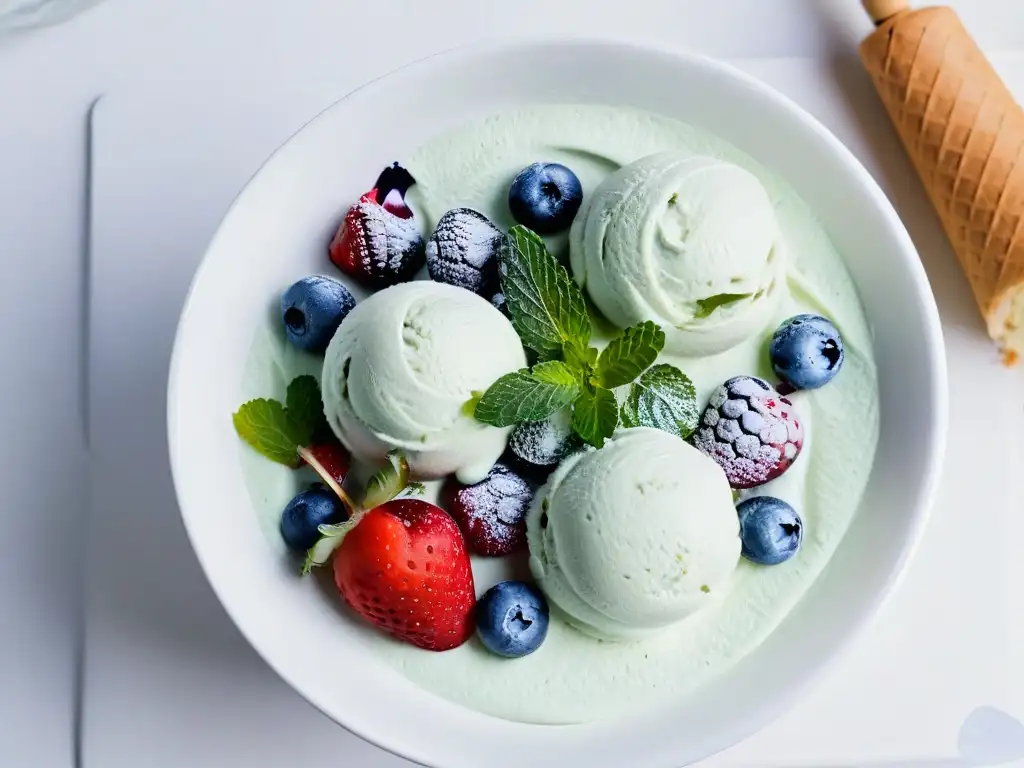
[379,243]
[404,567]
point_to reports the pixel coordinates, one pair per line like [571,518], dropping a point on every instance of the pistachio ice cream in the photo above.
[691,243]
[402,366]
[631,538]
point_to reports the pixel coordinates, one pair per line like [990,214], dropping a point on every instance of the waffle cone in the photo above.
[965,135]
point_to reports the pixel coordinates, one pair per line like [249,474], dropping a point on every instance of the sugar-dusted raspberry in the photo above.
[492,513]
[752,431]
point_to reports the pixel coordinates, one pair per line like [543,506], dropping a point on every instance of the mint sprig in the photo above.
[277,431]
[548,311]
[544,303]
[580,357]
[663,398]
[305,409]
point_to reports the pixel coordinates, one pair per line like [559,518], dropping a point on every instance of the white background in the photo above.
[49,78]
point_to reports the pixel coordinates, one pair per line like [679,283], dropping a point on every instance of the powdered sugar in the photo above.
[748,445]
[389,239]
[747,386]
[752,422]
[728,430]
[734,409]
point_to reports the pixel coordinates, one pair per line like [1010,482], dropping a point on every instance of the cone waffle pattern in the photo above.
[965,135]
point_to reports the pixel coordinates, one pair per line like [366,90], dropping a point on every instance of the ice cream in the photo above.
[400,369]
[689,242]
[633,537]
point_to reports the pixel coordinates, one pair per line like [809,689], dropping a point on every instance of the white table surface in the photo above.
[49,78]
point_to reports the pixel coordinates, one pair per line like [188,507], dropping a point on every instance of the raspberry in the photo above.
[492,513]
[752,431]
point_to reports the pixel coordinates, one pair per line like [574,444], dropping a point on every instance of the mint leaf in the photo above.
[706,306]
[663,398]
[595,414]
[528,395]
[278,432]
[581,357]
[265,425]
[305,409]
[545,305]
[388,482]
[629,354]
[556,373]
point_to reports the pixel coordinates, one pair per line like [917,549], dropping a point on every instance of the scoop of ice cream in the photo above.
[633,537]
[690,243]
[401,367]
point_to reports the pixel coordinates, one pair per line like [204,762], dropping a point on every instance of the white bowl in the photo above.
[277,230]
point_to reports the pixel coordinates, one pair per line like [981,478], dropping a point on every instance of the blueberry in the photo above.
[545,197]
[512,619]
[305,513]
[312,309]
[770,530]
[807,351]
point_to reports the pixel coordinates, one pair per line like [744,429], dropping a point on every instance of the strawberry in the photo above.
[404,568]
[379,243]
[399,562]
